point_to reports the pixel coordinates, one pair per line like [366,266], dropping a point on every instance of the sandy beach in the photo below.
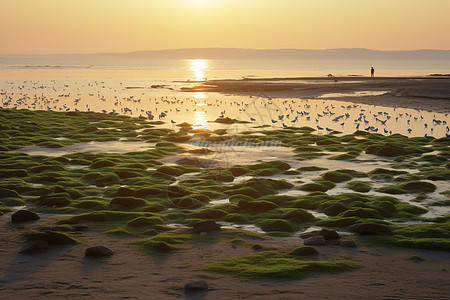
[64,272]
[421,93]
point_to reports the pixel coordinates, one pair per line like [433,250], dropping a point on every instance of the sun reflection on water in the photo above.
[198,68]
[200,121]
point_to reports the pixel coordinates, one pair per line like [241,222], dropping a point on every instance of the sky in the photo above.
[94,26]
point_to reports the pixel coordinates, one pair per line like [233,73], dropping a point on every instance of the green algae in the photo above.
[273,265]
[358,186]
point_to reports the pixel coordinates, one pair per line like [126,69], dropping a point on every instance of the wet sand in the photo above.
[421,93]
[64,272]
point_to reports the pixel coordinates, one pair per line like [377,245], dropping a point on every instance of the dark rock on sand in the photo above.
[196,286]
[24,215]
[329,234]
[206,226]
[34,246]
[98,251]
[371,229]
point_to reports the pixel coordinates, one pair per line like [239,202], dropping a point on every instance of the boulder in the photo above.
[98,251]
[329,234]
[34,246]
[24,215]
[315,240]
[196,286]
[371,229]
[206,226]
[298,215]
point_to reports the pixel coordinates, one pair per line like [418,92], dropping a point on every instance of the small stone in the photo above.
[315,240]
[196,286]
[24,215]
[98,251]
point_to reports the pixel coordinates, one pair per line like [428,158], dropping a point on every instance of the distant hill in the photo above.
[237,53]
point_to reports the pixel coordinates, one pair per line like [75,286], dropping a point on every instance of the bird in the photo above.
[320,128]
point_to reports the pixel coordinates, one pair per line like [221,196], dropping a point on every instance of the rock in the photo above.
[55,201]
[371,229]
[278,225]
[315,240]
[128,202]
[34,246]
[24,215]
[6,193]
[162,247]
[329,234]
[58,238]
[335,209]
[196,286]
[348,244]
[206,226]
[98,251]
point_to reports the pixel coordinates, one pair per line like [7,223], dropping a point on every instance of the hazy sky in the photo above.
[91,26]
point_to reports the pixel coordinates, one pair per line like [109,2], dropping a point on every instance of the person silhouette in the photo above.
[372,72]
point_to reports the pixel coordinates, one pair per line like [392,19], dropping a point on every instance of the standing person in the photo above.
[372,72]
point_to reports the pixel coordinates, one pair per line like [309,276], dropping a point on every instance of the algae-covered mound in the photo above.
[273,265]
[409,187]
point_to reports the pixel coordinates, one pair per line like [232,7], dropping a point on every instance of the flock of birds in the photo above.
[325,116]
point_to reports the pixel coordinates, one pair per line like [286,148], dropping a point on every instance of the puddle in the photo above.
[93,147]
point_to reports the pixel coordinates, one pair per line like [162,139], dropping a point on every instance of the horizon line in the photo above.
[217,48]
